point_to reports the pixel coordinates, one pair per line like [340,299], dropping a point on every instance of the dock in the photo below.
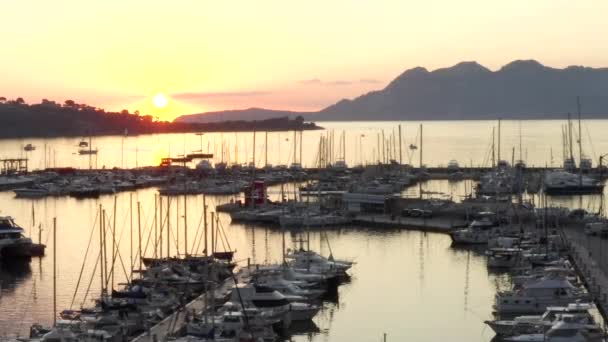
[177,320]
[588,254]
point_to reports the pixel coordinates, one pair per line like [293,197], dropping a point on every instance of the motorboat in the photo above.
[536,296]
[478,232]
[13,242]
[561,182]
[542,323]
[565,330]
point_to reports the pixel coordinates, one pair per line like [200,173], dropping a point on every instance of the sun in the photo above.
[160,100]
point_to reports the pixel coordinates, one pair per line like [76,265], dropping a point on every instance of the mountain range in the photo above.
[522,89]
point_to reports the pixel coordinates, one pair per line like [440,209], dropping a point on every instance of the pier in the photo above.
[177,321]
[589,255]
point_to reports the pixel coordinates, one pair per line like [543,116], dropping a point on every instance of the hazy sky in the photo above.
[300,55]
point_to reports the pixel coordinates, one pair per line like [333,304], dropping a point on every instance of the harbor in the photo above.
[185,249]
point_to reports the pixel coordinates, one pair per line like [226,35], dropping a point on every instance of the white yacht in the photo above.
[561,182]
[565,330]
[478,232]
[542,323]
[535,297]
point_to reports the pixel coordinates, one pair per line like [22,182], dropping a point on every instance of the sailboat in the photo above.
[85,148]
[563,182]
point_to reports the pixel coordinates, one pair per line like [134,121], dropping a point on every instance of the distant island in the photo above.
[52,119]
[520,90]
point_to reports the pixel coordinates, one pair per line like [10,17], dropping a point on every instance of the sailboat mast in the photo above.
[294,146]
[570,137]
[212,233]
[54,271]
[499,140]
[266,150]
[420,147]
[185,227]
[400,152]
[493,149]
[139,234]
[205,220]
[580,143]
[168,227]
[520,148]
[301,134]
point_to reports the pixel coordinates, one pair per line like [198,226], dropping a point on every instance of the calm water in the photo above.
[405,283]
[409,284]
[469,142]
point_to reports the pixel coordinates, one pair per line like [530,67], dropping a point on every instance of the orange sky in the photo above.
[211,55]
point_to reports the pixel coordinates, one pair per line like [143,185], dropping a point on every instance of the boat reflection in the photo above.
[13,272]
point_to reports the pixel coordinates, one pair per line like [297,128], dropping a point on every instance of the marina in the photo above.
[190,247]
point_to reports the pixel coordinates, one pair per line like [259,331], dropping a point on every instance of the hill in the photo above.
[51,119]
[239,114]
[522,89]
[519,90]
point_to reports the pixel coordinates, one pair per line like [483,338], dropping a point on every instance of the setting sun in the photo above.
[160,101]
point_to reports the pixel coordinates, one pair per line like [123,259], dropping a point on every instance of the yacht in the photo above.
[453,166]
[12,241]
[565,330]
[535,297]
[560,182]
[542,323]
[478,232]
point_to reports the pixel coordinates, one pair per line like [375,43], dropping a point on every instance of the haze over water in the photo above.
[409,284]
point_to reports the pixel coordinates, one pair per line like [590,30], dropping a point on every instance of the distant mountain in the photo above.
[239,115]
[523,89]
[519,90]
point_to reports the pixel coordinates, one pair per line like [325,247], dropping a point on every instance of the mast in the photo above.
[580,143]
[155,228]
[570,136]
[185,227]
[383,148]
[212,233]
[168,227]
[160,231]
[101,248]
[499,140]
[400,152]
[54,271]
[420,147]
[113,244]
[236,146]
[301,134]
[139,233]
[105,255]
[521,157]
[266,150]
[205,220]
[493,149]
[131,232]
[295,142]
